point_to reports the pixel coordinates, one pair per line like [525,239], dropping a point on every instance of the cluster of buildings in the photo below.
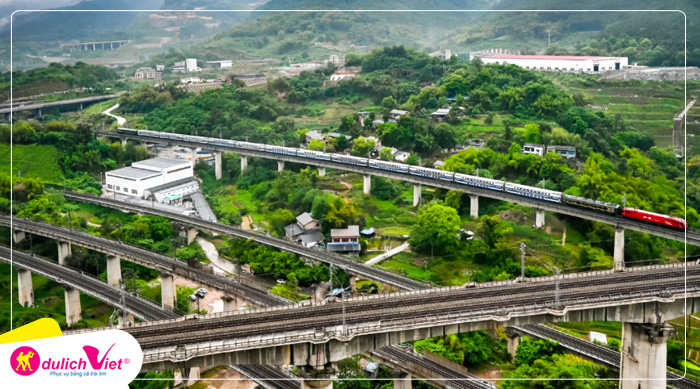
[148,73]
[555,63]
[446,54]
[189,65]
[294,69]
[343,73]
[306,231]
[568,152]
[164,180]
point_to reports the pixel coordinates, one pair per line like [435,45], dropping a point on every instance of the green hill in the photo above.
[316,34]
[289,35]
[589,33]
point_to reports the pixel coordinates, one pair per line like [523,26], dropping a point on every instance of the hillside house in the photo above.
[568,152]
[345,240]
[534,148]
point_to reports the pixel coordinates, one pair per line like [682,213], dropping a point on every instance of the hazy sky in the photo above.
[9,6]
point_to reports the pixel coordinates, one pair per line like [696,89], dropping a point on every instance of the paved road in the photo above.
[388,254]
[108,112]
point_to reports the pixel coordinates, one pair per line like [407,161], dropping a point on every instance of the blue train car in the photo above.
[390,166]
[532,192]
[479,182]
[431,173]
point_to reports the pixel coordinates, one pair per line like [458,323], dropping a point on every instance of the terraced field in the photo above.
[648,107]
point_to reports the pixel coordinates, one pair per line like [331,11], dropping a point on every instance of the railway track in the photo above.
[454,379]
[474,301]
[269,377]
[321,256]
[690,235]
[139,306]
[145,257]
[598,353]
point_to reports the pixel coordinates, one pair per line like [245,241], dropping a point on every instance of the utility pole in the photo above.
[330,279]
[544,181]
[556,287]
[522,261]
[624,200]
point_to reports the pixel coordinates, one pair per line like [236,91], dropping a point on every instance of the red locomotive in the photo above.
[655,218]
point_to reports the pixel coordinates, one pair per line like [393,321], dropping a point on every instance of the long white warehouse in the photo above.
[557,63]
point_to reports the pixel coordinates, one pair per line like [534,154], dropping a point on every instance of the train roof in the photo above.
[481,178]
[590,200]
[654,213]
[533,187]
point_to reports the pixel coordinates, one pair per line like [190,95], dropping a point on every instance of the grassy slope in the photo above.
[34,161]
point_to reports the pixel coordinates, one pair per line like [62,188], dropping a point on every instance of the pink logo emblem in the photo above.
[25,361]
[92,354]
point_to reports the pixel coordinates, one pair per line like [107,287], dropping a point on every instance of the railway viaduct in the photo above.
[540,206]
[314,334]
[73,280]
[79,102]
[236,293]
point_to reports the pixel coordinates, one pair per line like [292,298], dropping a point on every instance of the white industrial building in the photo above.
[224,64]
[163,179]
[556,63]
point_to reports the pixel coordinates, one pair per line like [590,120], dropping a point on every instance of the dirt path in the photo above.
[347,184]
[247,221]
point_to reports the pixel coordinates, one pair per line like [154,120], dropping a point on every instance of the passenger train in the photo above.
[464,179]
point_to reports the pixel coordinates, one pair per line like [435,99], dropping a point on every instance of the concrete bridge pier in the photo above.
[619,250]
[193,155]
[312,378]
[539,218]
[367,184]
[402,380]
[124,142]
[192,375]
[280,166]
[218,165]
[244,163]
[474,206]
[25,287]
[416,194]
[321,171]
[114,270]
[171,151]
[230,303]
[126,320]
[643,362]
[191,235]
[18,235]
[64,251]
[513,341]
[73,309]
[168,297]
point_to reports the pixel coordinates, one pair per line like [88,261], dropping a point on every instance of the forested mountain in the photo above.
[57,26]
[590,33]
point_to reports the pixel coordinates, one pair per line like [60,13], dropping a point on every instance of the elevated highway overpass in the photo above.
[51,104]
